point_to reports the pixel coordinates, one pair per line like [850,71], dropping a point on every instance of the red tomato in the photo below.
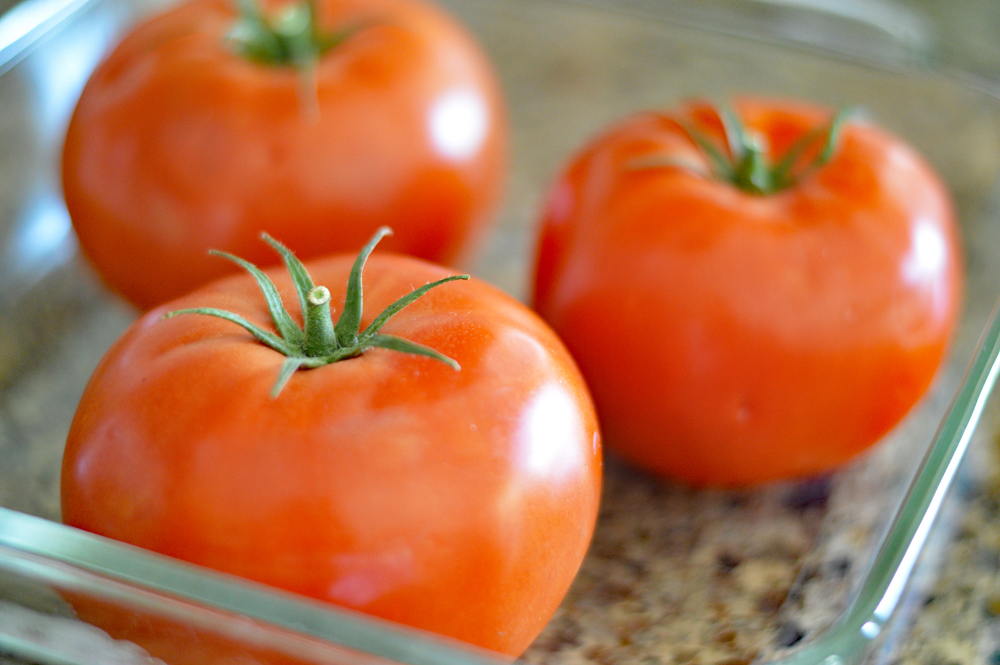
[732,337]
[457,501]
[179,144]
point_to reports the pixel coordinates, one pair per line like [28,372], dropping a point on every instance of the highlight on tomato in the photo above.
[316,121]
[429,456]
[752,294]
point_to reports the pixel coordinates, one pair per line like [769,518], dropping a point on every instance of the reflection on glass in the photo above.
[59,72]
[43,238]
[26,22]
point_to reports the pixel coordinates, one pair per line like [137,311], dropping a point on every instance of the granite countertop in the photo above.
[674,575]
[706,577]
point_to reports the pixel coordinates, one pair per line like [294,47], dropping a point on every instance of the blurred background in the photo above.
[960,35]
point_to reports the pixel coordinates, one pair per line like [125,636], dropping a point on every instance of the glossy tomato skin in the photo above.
[731,338]
[460,502]
[178,145]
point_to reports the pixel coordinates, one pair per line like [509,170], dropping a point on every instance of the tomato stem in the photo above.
[319,336]
[744,162]
[753,173]
[322,342]
[291,37]
[349,323]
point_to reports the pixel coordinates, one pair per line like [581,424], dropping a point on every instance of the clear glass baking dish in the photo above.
[839,569]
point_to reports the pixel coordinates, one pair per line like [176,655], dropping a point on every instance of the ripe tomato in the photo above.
[733,336]
[180,144]
[457,501]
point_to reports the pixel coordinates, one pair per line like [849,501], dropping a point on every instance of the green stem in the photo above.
[744,163]
[753,173]
[320,339]
[349,324]
[290,38]
[322,342]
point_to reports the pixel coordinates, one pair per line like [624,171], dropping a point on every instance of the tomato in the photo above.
[179,143]
[459,501]
[731,334]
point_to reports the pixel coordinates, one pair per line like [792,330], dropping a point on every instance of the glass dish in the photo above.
[804,572]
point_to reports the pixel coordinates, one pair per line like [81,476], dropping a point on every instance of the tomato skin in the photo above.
[731,338]
[460,502]
[178,146]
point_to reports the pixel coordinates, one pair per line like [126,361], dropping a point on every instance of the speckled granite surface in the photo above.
[677,576]
[674,575]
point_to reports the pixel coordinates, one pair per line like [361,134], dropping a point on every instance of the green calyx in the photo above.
[744,163]
[292,37]
[321,341]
